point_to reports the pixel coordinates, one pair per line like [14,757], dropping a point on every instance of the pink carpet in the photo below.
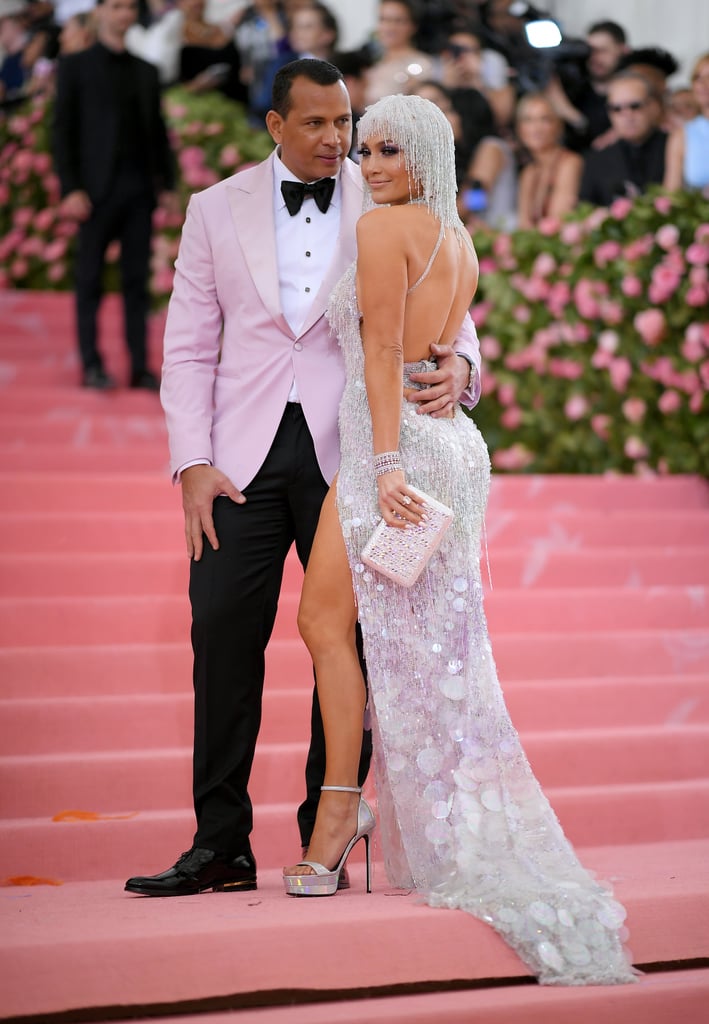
[599,615]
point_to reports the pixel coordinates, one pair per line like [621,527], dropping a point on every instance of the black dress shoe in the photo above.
[195,871]
[97,378]
[145,381]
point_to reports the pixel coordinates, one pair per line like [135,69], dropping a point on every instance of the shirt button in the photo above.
[307,289]
[307,254]
[307,220]
[298,346]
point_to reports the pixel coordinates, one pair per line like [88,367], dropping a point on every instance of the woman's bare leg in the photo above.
[327,618]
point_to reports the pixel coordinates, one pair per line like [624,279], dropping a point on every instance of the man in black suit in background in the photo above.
[113,160]
[637,159]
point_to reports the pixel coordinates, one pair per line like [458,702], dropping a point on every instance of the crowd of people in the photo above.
[534,135]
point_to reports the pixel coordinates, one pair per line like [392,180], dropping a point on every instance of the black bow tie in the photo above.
[294,192]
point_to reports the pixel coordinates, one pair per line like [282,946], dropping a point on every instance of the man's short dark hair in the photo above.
[612,29]
[321,72]
[652,57]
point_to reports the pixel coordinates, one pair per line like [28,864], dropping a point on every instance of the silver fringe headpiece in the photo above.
[426,140]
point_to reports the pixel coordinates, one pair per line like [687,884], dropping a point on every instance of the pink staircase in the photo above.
[599,616]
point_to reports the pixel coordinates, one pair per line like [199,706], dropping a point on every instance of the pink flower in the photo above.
[566,369]
[667,236]
[571,233]
[650,325]
[44,219]
[600,425]
[702,233]
[665,282]
[601,360]
[634,448]
[576,407]
[668,402]
[480,312]
[548,226]
[621,208]
[487,265]
[620,372]
[696,296]
[522,314]
[611,312]
[608,341]
[490,347]
[506,393]
[516,457]
[596,218]
[229,156]
[631,286]
[692,349]
[696,402]
[638,248]
[22,217]
[634,409]
[606,252]
[698,275]
[113,253]
[55,250]
[42,163]
[698,253]
[191,157]
[502,246]
[663,205]
[511,417]
[544,265]
[19,269]
[57,272]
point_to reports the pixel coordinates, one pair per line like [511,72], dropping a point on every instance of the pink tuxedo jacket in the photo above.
[229,354]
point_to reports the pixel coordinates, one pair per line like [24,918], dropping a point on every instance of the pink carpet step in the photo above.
[148,841]
[64,398]
[87,493]
[112,491]
[33,785]
[95,946]
[167,668]
[82,429]
[664,997]
[603,493]
[41,531]
[28,621]
[166,573]
[139,721]
[23,457]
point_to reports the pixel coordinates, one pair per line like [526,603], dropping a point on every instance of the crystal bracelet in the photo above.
[387,462]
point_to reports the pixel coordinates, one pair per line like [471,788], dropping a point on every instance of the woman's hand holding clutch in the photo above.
[398,504]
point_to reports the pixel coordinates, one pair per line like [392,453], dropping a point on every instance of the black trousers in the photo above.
[124,215]
[234,595]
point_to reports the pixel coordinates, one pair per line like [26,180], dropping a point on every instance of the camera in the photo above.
[539,50]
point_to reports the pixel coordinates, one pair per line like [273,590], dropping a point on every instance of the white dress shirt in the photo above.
[305,246]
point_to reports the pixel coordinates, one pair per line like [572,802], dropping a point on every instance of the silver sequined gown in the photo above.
[461,815]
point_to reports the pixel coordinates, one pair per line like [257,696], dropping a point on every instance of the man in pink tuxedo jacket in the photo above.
[252,380]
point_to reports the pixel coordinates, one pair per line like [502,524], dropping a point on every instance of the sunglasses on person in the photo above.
[618,108]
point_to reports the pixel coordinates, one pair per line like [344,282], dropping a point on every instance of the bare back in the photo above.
[436,297]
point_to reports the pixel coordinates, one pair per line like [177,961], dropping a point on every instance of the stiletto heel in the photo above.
[324,880]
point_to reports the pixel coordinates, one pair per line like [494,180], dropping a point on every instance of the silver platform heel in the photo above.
[324,881]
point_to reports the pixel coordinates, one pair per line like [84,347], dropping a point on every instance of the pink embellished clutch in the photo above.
[402,555]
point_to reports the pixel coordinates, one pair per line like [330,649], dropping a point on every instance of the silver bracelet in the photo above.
[387,462]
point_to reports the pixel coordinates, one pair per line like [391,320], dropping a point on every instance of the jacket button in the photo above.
[298,346]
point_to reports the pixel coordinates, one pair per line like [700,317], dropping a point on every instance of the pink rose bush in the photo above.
[608,368]
[211,139]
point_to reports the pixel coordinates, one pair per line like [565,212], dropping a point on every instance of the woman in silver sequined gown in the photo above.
[461,815]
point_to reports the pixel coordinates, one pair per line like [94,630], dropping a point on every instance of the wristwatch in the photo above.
[473,371]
